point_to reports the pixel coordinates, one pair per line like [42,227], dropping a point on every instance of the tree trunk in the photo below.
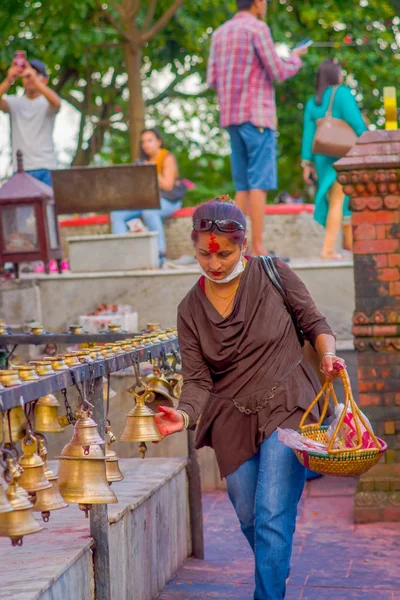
[133,63]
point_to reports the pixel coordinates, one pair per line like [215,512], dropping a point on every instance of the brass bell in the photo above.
[19,521]
[176,380]
[27,372]
[76,329]
[86,433]
[32,478]
[17,425]
[46,415]
[57,362]
[48,500]
[9,377]
[82,476]
[114,328]
[152,327]
[112,466]
[140,425]
[160,391]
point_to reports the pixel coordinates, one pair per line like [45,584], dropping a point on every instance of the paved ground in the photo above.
[332,558]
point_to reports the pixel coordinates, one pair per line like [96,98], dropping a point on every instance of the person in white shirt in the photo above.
[32,118]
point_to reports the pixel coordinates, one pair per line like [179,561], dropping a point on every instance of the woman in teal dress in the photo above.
[331,205]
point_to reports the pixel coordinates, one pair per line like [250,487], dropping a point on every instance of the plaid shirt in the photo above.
[242,66]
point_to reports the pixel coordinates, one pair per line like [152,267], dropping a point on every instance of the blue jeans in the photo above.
[253,157]
[265,491]
[43,175]
[152,218]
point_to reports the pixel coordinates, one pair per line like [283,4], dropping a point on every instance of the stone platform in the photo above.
[56,301]
[332,558]
[148,541]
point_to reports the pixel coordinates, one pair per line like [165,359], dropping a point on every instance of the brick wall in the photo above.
[371,176]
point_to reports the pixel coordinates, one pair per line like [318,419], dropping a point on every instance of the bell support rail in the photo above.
[13,339]
[92,373]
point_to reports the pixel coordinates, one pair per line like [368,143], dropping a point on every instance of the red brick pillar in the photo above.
[370,174]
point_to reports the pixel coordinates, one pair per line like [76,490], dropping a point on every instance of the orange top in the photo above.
[160,159]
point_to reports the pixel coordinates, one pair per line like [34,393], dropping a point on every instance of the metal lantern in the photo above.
[28,221]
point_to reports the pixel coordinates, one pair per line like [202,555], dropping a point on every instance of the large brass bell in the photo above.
[82,467]
[19,521]
[140,425]
[112,466]
[49,499]
[32,478]
[46,415]
[17,420]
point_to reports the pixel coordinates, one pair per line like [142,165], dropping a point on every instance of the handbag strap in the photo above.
[331,101]
[273,275]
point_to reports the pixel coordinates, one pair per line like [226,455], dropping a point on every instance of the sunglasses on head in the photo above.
[223,225]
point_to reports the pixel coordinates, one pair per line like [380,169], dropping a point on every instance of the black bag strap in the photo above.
[273,275]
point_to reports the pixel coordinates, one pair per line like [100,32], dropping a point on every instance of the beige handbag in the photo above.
[334,137]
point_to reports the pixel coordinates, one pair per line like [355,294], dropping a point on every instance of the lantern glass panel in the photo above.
[51,224]
[19,229]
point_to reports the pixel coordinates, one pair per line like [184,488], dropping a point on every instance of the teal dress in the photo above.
[344,107]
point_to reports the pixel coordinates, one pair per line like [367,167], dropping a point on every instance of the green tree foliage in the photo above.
[84,43]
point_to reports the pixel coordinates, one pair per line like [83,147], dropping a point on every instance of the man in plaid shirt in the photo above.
[242,67]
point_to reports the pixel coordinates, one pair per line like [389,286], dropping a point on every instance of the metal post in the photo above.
[195,501]
[99,514]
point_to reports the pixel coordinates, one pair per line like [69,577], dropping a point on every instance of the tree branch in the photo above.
[110,19]
[170,88]
[64,77]
[162,21]
[69,98]
[149,15]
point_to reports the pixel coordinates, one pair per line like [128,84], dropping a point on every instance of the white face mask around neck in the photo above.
[239,268]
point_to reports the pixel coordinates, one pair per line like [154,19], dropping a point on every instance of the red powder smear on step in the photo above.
[213,245]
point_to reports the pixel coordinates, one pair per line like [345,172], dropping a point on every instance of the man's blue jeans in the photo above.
[152,218]
[43,175]
[265,491]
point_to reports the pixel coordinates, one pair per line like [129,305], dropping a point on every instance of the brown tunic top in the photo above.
[244,374]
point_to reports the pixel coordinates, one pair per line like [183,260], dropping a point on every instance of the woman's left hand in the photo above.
[327,366]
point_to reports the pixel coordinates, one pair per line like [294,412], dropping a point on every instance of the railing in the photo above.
[93,373]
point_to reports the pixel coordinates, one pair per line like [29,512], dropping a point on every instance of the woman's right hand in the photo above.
[309,175]
[168,420]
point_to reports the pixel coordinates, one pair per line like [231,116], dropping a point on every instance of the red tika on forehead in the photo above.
[213,245]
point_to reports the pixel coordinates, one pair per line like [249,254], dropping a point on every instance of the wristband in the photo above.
[185,418]
[328,354]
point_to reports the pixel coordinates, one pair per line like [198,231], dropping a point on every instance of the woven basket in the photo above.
[343,462]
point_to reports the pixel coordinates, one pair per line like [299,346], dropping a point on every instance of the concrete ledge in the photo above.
[148,541]
[126,252]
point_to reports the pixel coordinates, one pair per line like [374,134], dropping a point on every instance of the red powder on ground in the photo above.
[213,245]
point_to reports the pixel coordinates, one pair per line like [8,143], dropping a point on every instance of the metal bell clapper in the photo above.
[46,415]
[18,522]
[140,425]
[112,466]
[82,467]
[32,478]
[49,499]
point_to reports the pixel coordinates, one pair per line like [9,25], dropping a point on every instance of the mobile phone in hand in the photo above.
[305,43]
[20,59]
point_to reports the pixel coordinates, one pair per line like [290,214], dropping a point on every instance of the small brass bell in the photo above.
[140,425]
[19,521]
[17,425]
[48,500]
[86,433]
[46,415]
[161,388]
[112,466]
[82,468]
[32,478]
